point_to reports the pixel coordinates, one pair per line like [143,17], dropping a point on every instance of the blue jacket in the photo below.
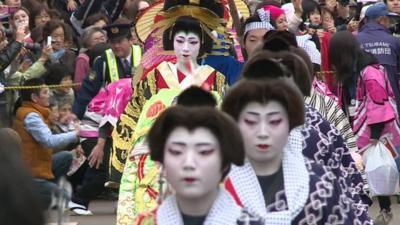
[378,40]
[39,130]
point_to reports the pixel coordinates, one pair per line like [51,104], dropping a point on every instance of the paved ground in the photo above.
[374,211]
[104,213]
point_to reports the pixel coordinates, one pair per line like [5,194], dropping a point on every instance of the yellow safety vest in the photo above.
[112,61]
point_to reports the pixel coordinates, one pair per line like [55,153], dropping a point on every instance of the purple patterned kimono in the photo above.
[311,194]
[324,145]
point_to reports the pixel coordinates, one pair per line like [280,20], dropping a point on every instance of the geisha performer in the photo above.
[196,147]
[277,182]
[186,29]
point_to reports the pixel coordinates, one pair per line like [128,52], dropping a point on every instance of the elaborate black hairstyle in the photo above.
[191,24]
[282,90]
[187,24]
[278,64]
[213,5]
[287,36]
[255,67]
[283,40]
[196,96]
[219,124]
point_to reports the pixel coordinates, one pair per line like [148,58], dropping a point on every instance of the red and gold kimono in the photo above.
[139,186]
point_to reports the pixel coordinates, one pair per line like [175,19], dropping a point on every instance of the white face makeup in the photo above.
[186,46]
[265,130]
[192,162]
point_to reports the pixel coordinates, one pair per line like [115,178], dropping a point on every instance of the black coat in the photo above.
[6,57]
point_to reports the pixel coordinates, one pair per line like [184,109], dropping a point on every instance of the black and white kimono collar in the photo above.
[224,211]
[296,182]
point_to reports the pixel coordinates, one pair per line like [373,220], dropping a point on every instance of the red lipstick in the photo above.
[189,180]
[262,146]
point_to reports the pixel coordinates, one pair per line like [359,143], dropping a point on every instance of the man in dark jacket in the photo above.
[10,52]
[376,38]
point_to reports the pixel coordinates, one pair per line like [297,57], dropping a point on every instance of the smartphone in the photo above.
[49,40]
[23,23]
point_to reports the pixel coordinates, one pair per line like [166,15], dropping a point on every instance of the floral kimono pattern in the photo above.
[311,193]
[223,212]
[139,186]
[106,107]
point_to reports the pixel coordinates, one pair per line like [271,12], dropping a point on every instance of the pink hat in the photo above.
[275,11]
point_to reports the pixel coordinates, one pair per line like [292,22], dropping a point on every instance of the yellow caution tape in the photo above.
[41,86]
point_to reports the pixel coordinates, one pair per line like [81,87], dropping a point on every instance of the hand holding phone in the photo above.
[49,40]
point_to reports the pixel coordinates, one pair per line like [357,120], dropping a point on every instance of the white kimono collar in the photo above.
[224,211]
[296,182]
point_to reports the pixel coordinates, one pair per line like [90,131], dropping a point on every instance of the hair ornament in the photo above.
[265,17]
[209,20]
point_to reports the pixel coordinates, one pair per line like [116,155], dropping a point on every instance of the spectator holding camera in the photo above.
[7,55]
[37,69]
[10,50]
[57,30]
[20,18]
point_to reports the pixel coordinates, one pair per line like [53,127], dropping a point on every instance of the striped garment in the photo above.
[334,114]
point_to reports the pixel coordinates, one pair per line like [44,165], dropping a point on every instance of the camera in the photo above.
[313,25]
[8,32]
[32,46]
